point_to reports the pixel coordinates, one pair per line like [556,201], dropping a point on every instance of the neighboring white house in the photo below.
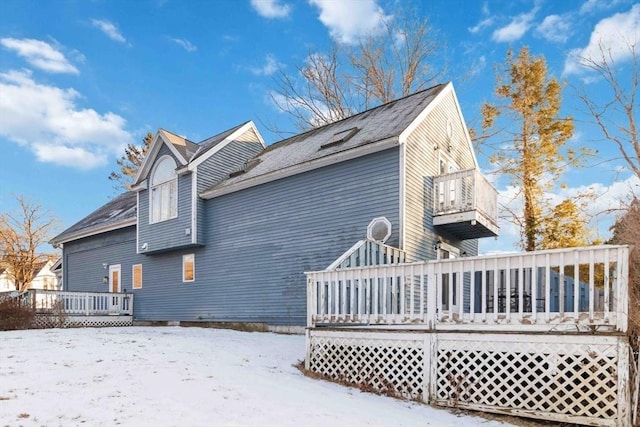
[44,278]
[6,281]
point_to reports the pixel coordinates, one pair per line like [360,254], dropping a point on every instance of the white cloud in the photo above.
[348,21]
[516,28]
[487,22]
[478,65]
[270,66]
[615,34]
[555,28]
[595,5]
[109,29]
[185,44]
[47,120]
[271,8]
[602,210]
[40,54]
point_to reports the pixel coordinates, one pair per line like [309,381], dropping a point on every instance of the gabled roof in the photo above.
[185,147]
[211,142]
[188,153]
[118,213]
[377,124]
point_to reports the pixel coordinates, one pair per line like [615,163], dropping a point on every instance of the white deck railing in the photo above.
[464,191]
[82,303]
[368,252]
[565,289]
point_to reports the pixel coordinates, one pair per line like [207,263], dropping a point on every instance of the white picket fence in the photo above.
[553,289]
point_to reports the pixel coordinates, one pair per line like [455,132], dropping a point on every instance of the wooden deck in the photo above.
[539,334]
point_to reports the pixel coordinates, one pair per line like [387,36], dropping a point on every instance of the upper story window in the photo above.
[163,203]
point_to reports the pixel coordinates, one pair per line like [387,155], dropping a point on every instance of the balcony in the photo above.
[465,205]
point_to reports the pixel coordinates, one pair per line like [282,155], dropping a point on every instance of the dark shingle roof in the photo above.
[387,120]
[380,123]
[119,210]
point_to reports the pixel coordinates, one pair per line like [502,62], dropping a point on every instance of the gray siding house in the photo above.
[223,230]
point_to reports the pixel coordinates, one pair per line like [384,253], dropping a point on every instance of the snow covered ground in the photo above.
[173,376]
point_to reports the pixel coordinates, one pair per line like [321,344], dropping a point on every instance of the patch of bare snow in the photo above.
[174,376]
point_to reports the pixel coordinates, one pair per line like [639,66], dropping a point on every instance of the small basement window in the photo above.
[340,137]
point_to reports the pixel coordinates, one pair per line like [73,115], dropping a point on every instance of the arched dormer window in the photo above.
[163,201]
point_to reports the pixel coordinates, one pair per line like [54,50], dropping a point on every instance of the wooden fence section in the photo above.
[571,289]
[81,303]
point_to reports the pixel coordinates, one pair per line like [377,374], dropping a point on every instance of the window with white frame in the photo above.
[163,203]
[188,268]
[136,275]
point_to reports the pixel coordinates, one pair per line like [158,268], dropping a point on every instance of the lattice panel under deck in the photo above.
[571,379]
[393,367]
[51,321]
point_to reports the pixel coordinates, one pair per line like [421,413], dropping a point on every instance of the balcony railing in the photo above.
[468,192]
[579,289]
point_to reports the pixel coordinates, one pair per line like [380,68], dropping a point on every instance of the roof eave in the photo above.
[93,231]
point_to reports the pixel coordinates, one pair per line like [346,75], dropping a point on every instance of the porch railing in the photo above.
[369,252]
[464,191]
[81,303]
[568,289]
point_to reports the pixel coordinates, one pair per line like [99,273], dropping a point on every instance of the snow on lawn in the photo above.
[173,376]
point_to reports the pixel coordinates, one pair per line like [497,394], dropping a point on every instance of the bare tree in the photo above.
[21,234]
[380,68]
[617,117]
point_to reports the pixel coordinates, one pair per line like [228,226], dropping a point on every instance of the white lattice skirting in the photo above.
[49,321]
[566,378]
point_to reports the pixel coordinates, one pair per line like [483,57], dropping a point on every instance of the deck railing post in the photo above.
[432,297]
[310,301]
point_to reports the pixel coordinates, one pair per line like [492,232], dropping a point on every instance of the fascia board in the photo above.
[423,115]
[97,230]
[224,142]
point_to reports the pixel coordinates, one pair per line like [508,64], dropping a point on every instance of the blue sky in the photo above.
[80,79]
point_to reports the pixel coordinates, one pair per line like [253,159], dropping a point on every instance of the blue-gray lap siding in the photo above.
[218,167]
[171,233]
[83,260]
[261,240]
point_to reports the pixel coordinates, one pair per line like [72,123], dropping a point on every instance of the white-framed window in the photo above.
[163,197]
[188,268]
[136,275]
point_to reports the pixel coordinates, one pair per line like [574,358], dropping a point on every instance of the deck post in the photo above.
[310,301]
[624,398]
[427,364]
[432,297]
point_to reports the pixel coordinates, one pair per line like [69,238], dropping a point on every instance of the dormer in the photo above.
[171,176]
